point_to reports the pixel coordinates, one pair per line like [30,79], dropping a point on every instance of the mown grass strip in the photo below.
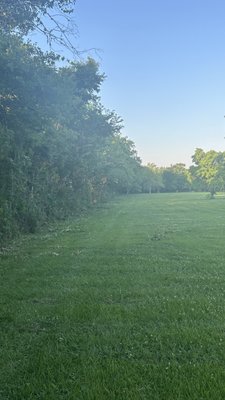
[127,303]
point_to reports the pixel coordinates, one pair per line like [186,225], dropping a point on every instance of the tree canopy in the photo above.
[210,167]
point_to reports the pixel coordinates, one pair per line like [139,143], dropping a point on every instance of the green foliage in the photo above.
[60,150]
[176,178]
[121,165]
[26,15]
[52,19]
[197,182]
[210,167]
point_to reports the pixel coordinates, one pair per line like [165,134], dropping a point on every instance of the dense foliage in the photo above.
[210,169]
[60,151]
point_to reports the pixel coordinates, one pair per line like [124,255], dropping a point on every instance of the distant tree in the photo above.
[210,166]
[121,165]
[155,178]
[146,179]
[198,184]
[176,178]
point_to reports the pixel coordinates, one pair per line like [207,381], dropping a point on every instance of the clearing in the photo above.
[126,303]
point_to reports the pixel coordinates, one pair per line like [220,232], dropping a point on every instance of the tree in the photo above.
[176,178]
[149,178]
[155,183]
[197,182]
[210,166]
[60,150]
[121,165]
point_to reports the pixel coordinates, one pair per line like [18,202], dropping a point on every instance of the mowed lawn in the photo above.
[127,303]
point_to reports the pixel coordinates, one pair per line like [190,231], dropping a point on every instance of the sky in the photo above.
[165,67]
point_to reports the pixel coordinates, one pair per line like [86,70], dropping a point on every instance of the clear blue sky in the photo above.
[165,67]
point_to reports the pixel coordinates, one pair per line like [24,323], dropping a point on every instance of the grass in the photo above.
[126,303]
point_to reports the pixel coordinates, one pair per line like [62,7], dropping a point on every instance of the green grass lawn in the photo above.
[127,303]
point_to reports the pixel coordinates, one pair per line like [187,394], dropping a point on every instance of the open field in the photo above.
[125,304]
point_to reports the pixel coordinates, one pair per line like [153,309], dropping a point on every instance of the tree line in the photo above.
[61,151]
[206,174]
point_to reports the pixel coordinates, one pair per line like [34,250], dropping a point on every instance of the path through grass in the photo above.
[126,304]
